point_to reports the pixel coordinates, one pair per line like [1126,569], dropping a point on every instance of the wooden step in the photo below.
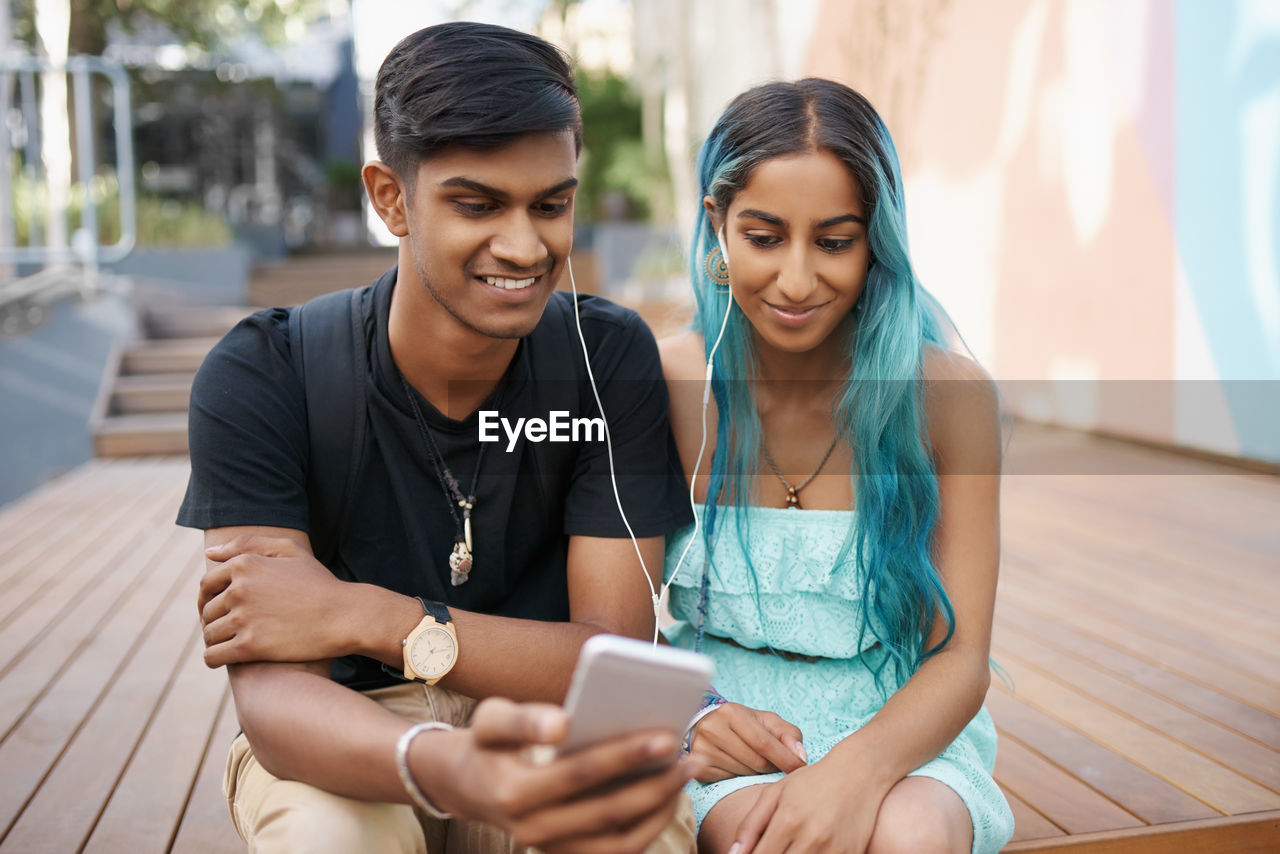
[141,435]
[192,321]
[303,277]
[178,355]
[142,393]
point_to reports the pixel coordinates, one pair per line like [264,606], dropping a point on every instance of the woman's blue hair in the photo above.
[880,410]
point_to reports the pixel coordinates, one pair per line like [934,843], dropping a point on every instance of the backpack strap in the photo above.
[329,347]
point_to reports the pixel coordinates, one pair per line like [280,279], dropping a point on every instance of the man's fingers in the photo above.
[218,631]
[252,544]
[611,814]
[214,581]
[500,723]
[221,654]
[214,609]
[584,771]
[633,840]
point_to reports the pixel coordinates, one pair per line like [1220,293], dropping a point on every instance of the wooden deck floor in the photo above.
[1136,621]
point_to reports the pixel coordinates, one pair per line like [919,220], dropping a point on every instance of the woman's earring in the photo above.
[717,270]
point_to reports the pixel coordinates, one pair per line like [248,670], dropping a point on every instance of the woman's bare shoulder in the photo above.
[962,406]
[942,365]
[682,356]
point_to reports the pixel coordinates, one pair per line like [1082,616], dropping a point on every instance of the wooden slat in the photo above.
[99,495]
[148,802]
[206,827]
[1211,704]
[1086,616]
[1243,544]
[74,495]
[1185,603]
[1206,780]
[1243,755]
[69,566]
[1255,833]
[1130,785]
[86,613]
[1185,553]
[69,800]
[1061,798]
[1027,823]
[37,742]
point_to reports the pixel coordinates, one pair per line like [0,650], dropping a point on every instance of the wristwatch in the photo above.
[431,649]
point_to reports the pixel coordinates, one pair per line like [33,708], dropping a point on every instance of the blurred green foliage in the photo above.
[617,178]
[160,221]
[208,24]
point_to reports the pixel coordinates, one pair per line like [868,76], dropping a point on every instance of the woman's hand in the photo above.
[737,741]
[824,807]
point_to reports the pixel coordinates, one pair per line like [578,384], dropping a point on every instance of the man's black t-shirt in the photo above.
[250,458]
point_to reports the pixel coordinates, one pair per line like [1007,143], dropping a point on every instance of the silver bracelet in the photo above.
[406,776]
[687,744]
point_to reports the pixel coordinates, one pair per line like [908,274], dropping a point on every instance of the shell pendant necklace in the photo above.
[461,559]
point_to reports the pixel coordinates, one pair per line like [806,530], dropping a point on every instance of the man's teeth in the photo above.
[510,284]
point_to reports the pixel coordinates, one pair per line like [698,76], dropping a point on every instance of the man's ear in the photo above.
[387,193]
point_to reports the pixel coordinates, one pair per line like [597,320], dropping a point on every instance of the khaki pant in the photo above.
[274,815]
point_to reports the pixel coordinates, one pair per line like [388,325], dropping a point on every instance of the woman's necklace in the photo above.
[793,492]
[460,560]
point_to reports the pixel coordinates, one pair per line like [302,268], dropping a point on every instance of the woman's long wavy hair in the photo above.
[880,410]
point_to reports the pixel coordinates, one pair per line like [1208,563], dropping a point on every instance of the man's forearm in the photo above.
[304,727]
[522,660]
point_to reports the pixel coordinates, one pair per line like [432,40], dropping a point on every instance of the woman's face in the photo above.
[796,237]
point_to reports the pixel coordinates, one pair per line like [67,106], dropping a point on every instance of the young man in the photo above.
[476,567]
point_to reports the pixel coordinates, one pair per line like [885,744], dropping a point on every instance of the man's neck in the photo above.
[453,367]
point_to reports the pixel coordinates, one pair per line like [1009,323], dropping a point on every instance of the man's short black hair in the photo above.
[473,85]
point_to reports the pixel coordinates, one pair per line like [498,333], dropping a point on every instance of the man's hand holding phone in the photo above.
[590,800]
[602,775]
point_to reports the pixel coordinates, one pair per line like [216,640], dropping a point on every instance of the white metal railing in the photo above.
[23,300]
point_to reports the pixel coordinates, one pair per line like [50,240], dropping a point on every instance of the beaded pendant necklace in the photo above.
[461,559]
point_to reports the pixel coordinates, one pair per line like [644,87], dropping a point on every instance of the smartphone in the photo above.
[621,685]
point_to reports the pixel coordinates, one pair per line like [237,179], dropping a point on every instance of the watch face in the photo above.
[433,652]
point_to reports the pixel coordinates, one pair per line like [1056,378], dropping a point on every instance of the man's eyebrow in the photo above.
[494,192]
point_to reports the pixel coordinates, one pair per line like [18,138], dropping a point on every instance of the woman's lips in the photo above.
[794,316]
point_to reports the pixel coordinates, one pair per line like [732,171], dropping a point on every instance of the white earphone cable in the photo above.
[613,477]
[656,594]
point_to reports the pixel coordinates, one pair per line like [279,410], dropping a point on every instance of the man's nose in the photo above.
[518,242]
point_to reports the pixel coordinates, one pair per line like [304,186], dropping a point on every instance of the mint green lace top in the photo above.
[804,600]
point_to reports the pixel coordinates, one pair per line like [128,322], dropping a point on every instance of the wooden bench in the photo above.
[1136,621]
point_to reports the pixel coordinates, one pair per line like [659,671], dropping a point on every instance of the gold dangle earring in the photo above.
[717,264]
[717,270]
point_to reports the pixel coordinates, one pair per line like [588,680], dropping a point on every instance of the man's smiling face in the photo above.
[490,230]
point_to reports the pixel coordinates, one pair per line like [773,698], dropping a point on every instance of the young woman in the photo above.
[843,572]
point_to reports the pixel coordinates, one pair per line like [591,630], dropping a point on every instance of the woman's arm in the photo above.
[930,710]
[927,713]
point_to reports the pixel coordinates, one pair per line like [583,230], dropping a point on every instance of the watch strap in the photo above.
[438,611]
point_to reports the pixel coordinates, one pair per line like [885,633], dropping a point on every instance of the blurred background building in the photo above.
[1093,187]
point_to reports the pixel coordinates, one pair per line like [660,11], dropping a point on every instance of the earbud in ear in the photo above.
[724,250]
